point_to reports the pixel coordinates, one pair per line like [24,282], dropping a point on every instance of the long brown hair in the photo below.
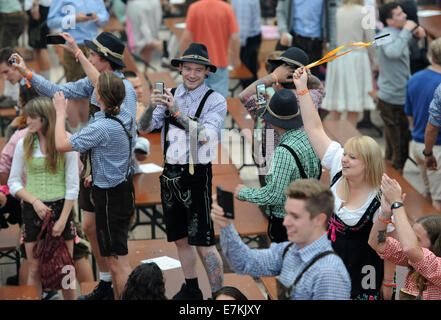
[43,108]
[432,225]
[112,91]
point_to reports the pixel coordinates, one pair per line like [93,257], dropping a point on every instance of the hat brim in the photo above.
[109,57]
[294,123]
[176,62]
[278,62]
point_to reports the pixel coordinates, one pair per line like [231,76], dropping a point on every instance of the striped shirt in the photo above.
[283,170]
[212,118]
[327,279]
[435,108]
[248,17]
[429,267]
[83,88]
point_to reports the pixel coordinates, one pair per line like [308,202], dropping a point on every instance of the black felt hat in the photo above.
[295,57]
[109,47]
[196,53]
[282,110]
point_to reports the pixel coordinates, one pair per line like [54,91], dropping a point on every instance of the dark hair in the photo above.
[114,66]
[385,11]
[146,282]
[27,94]
[230,291]
[5,54]
[130,74]
[112,92]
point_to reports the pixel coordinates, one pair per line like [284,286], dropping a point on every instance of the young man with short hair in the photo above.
[191,119]
[308,208]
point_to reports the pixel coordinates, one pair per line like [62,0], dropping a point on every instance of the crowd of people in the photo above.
[79,143]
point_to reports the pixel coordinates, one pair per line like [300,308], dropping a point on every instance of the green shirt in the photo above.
[283,171]
[9,6]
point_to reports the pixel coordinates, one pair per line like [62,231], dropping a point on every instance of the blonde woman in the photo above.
[51,184]
[356,172]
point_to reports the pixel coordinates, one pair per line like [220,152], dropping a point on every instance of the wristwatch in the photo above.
[396,205]
[427,154]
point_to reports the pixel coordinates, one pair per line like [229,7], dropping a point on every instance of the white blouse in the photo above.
[332,161]
[15,182]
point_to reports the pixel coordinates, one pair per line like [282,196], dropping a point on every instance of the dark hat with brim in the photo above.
[282,110]
[196,53]
[109,47]
[294,57]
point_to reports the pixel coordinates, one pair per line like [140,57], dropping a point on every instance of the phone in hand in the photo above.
[88,14]
[159,86]
[11,61]
[226,200]
[54,39]
[260,92]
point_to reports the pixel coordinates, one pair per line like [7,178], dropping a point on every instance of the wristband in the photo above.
[176,114]
[393,285]
[384,221]
[29,75]
[303,92]
[428,154]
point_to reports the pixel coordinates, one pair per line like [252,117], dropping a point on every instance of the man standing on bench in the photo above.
[191,117]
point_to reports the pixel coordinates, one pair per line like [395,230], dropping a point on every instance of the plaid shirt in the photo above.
[429,267]
[249,18]
[327,279]
[283,170]
[250,104]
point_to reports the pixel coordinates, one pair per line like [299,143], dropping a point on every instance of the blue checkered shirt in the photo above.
[248,17]
[105,137]
[327,279]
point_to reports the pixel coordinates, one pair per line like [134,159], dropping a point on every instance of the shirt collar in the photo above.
[195,94]
[314,248]
[288,134]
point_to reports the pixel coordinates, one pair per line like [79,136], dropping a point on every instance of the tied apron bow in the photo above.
[334,225]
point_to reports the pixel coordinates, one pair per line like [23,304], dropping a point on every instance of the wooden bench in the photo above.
[19,293]
[2,143]
[269,283]
[147,249]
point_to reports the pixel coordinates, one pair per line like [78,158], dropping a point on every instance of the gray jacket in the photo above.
[285,12]
[394,66]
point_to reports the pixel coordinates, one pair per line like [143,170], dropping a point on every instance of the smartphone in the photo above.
[159,86]
[88,14]
[226,200]
[260,91]
[11,61]
[54,39]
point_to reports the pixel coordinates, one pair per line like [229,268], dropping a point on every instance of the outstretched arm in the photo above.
[62,142]
[311,119]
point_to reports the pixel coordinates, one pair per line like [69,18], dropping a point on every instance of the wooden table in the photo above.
[19,293]
[147,249]
[431,24]
[249,219]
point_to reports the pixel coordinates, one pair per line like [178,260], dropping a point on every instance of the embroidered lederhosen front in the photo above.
[351,243]
[186,198]
[287,293]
